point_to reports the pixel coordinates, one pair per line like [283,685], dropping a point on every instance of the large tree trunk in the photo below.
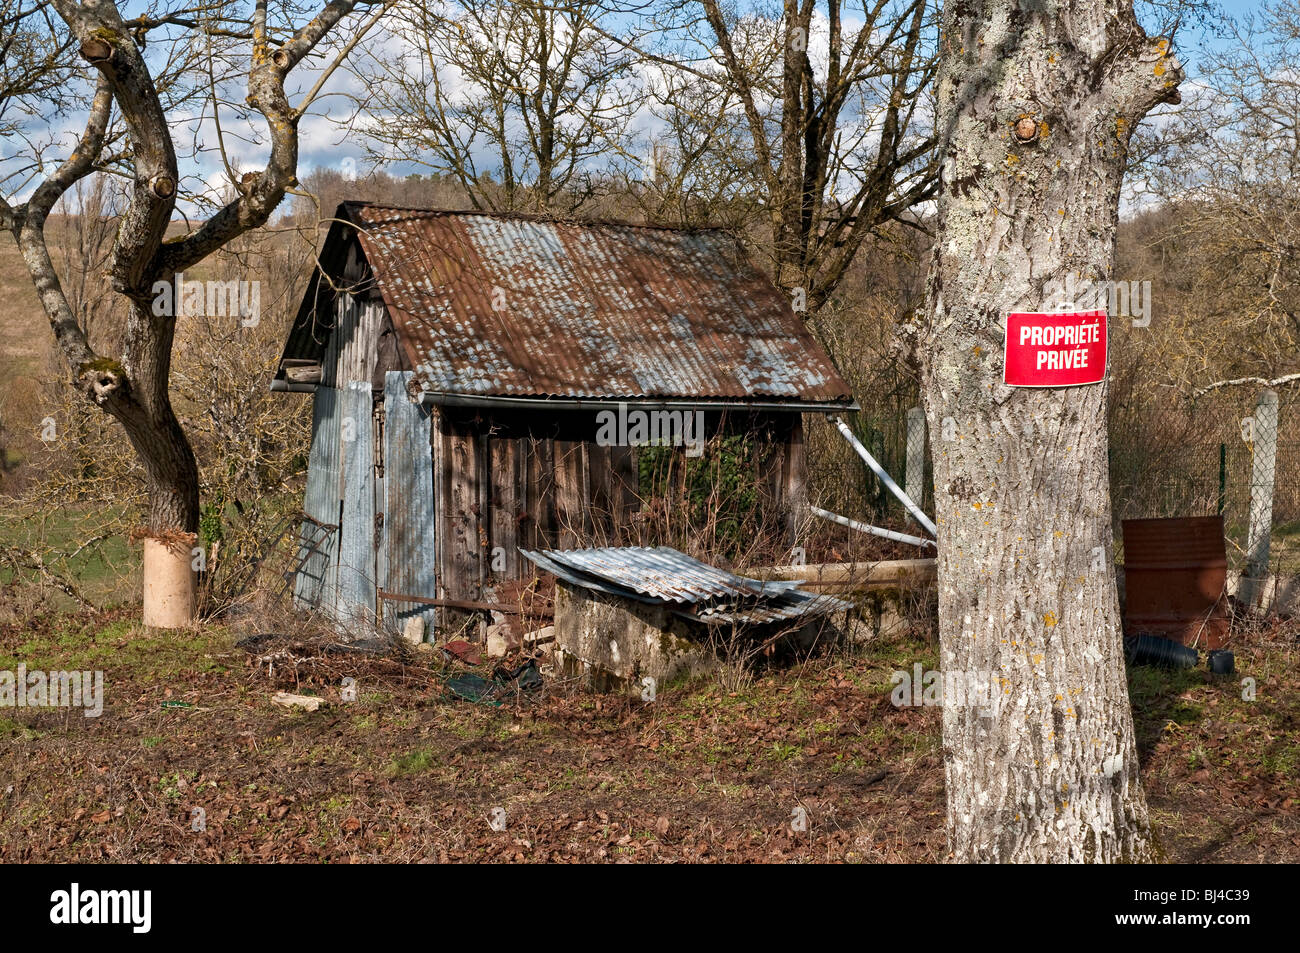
[136,393]
[1037,102]
[151,425]
[135,389]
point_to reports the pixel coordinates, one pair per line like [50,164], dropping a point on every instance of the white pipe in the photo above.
[885,478]
[868,528]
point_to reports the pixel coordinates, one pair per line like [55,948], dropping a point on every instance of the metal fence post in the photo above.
[914,474]
[1223,477]
[1262,476]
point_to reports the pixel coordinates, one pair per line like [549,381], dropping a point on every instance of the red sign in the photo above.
[1055,350]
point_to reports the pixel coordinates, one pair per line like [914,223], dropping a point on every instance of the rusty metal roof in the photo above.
[694,589]
[500,306]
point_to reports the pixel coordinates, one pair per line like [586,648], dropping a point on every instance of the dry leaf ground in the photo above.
[406,773]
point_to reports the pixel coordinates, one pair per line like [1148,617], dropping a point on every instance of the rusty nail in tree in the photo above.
[96,49]
[1026,129]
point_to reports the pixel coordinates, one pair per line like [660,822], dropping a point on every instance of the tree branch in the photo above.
[1258,381]
[261,192]
[27,223]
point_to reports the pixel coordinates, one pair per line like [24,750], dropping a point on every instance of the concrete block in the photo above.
[413,631]
[611,643]
[497,641]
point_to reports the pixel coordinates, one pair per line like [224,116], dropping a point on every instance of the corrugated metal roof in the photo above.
[789,605]
[660,573]
[509,306]
[663,575]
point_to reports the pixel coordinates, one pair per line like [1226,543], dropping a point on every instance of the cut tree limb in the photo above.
[1241,381]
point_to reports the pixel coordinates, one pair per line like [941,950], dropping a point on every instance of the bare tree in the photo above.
[522,102]
[81,233]
[34,68]
[179,58]
[835,139]
[695,169]
[1037,102]
[1230,167]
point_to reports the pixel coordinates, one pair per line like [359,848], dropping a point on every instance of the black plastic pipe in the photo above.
[1153,650]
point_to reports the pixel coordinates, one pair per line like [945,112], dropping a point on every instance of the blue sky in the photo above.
[325,144]
[1197,39]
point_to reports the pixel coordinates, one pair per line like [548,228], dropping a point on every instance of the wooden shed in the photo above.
[482,385]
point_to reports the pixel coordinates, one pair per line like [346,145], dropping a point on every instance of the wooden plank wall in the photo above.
[506,481]
[357,339]
[507,469]
[501,486]
[783,473]
[456,455]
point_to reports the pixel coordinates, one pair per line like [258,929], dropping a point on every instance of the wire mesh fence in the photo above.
[1218,454]
[1230,453]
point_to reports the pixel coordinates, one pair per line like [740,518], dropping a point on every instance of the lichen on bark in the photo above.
[1024,511]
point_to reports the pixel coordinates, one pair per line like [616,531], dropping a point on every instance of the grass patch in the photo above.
[10,729]
[1284,761]
[72,643]
[413,762]
[107,573]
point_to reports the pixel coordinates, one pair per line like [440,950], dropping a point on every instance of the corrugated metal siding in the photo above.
[506,306]
[409,555]
[356,573]
[693,589]
[357,339]
[317,580]
[661,573]
[381,549]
